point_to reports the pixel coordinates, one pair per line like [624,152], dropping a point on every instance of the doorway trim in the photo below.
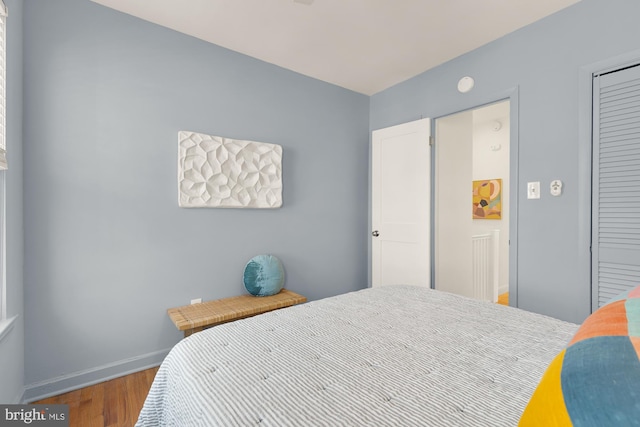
[512,95]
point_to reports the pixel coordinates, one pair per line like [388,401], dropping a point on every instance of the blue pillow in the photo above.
[263,275]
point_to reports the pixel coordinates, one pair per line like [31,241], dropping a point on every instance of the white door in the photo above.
[400,213]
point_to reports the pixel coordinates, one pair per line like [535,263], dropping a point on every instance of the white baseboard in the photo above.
[80,379]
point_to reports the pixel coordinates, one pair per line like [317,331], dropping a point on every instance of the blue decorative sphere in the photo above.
[263,275]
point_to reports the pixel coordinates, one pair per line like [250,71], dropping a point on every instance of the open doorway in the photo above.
[471,209]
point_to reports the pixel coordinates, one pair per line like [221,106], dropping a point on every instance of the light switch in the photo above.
[533,190]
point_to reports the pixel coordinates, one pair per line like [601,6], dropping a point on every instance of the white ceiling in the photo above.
[362,45]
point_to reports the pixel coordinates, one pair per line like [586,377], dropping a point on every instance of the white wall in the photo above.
[453,223]
[492,163]
[463,154]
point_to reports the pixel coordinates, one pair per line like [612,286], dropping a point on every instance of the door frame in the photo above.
[511,95]
[585,159]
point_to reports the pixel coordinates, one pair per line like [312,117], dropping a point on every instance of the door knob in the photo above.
[375,233]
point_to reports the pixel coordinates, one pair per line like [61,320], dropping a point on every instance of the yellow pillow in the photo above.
[595,381]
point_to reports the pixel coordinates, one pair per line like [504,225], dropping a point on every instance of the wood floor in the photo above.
[114,403]
[503,298]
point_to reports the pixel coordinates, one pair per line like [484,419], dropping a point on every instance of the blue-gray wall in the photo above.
[12,345]
[543,64]
[108,249]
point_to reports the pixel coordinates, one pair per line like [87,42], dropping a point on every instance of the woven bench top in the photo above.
[215,312]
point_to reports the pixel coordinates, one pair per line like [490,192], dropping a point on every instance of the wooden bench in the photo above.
[196,317]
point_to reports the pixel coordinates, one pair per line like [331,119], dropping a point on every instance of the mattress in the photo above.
[388,356]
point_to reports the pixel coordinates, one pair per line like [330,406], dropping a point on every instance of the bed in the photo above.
[388,356]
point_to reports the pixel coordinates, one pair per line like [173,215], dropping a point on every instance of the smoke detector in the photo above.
[465,84]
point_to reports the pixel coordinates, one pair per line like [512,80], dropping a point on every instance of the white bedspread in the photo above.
[389,356]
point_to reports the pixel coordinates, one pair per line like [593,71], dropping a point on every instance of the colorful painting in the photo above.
[487,199]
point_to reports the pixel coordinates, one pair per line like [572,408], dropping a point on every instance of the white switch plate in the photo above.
[556,187]
[533,190]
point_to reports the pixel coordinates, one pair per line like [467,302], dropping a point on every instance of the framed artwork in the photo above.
[218,172]
[487,199]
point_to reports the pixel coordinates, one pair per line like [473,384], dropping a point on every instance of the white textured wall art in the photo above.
[217,172]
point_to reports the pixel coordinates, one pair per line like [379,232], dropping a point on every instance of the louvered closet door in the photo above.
[616,184]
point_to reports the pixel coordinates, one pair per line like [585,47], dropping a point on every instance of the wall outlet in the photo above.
[196,301]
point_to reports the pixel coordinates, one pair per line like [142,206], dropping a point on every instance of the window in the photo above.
[5,325]
[3,86]
[3,270]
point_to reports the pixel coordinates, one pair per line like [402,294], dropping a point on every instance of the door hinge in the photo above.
[432,141]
